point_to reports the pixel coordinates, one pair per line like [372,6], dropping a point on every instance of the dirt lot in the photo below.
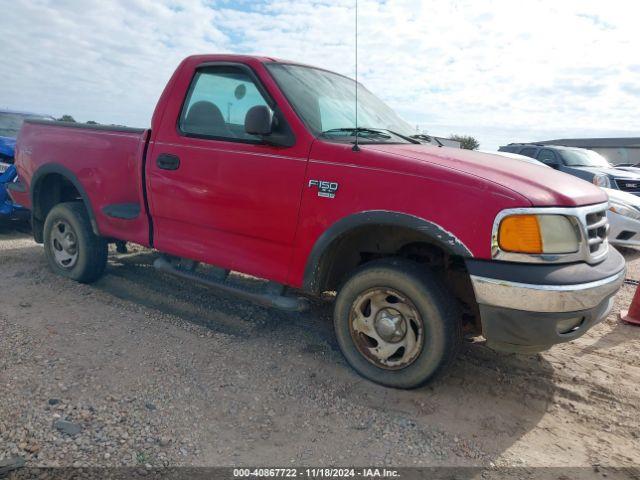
[148,370]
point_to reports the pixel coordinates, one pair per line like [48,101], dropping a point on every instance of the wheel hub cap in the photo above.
[64,243]
[386,328]
[390,325]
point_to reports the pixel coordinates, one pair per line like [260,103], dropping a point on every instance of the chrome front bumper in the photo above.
[545,298]
[559,303]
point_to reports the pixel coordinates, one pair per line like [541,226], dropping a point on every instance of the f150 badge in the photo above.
[325,189]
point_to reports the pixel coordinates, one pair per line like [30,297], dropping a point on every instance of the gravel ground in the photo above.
[141,369]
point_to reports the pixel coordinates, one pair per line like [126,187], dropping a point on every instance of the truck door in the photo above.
[217,194]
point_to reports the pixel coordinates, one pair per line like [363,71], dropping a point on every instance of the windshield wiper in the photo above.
[409,138]
[427,138]
[354,131]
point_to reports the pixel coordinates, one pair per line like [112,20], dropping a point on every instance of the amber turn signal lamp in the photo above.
[520,233]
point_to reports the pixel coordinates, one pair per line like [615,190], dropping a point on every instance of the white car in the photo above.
[515,156]
[624,218]
[623,213]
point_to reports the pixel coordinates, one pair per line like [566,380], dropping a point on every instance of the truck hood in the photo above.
[634,170]
[613,172]
[542,186]
[7,146]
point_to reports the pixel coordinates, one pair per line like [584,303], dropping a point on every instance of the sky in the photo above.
[502,71]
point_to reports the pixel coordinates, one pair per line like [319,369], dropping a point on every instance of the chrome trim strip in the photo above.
[545,298]
[579,217]
[600,223]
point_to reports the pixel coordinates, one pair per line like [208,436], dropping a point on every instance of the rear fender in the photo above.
[37,182]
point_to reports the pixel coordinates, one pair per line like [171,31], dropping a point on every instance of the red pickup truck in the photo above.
[251,166]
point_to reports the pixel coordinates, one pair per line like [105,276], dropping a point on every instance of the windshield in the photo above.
[326,103]
[10,123]
[584,158]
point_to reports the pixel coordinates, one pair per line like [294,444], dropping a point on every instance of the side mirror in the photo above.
[258,121]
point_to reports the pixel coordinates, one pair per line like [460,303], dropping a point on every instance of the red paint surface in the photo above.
[248,207]
[107,164]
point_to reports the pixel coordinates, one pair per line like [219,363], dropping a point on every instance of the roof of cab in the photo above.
[231,57]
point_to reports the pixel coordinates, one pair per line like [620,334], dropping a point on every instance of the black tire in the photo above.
[439,311]
[92,250]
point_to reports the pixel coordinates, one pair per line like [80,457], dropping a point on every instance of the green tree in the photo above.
[92,122]
[66,118]
[466,141]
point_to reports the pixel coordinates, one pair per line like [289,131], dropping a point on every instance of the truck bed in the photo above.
[107,163]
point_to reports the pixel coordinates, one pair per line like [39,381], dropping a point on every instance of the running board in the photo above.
[272,297]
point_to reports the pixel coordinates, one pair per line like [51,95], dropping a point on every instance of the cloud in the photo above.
[597,21]
[631,89]
[501,70]
[106,61]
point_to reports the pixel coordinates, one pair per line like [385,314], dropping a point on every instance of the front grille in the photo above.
[597,228]
[628,185]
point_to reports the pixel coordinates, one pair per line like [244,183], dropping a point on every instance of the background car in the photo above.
[629,168]
[10,123]
[624,218]
[580,162]
[515,156]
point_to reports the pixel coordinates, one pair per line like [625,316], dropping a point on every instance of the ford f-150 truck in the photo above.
[251,165]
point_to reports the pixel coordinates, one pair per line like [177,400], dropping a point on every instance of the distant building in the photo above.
[616,150]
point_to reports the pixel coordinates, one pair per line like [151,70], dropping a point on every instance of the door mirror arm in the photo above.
[279,140]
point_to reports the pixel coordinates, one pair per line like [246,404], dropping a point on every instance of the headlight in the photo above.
[624,210]
[538,234]
[601,180]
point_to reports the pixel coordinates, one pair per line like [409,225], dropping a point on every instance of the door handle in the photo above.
[167,161]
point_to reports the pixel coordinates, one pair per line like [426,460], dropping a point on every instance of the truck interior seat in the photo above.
[205,118]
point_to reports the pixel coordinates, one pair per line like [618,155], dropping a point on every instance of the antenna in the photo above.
[356,148]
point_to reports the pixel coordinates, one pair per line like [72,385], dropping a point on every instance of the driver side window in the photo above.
[217,104]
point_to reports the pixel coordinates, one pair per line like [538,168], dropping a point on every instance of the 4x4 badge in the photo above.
[325,189]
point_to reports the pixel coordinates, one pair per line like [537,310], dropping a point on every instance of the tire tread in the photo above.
[447,305]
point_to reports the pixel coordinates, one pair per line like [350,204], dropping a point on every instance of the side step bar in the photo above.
[273,298]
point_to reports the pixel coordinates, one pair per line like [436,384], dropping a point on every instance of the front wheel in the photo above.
[71,247]
[396,324]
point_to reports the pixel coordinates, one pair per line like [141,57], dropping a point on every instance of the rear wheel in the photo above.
[396,323]
[71,247]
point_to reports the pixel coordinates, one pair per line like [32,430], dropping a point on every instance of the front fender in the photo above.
[434,232]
